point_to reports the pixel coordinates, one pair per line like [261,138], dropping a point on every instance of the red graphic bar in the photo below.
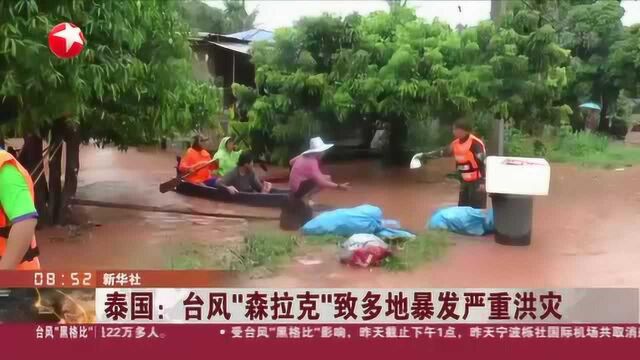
[162,279]
[304,342]
[115,279]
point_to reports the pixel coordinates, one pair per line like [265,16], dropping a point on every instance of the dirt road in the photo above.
[585,231]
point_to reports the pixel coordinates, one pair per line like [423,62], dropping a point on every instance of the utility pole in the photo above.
[495,145]
[498,8]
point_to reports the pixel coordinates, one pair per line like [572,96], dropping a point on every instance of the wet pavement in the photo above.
[585,231]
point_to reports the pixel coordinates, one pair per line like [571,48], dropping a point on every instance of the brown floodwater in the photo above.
[585,231]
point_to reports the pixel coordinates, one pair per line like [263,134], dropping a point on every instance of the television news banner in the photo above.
[142,306]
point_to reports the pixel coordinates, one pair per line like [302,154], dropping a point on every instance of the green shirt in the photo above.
[15,197]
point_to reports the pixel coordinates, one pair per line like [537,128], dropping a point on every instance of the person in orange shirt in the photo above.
[470,154]
[195,160]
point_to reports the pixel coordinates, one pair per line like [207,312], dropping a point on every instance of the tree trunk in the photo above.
[163,143]
[368,131]
[604,122]
[495,143]
[397,139]
[30,158]
[72,138]
[498,8]
[55,170]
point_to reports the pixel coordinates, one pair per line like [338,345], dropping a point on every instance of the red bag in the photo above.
[369,255]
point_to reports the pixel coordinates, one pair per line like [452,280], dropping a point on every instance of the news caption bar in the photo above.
[184,297]
[361,306]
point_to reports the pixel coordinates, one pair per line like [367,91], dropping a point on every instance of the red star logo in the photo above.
[66,40]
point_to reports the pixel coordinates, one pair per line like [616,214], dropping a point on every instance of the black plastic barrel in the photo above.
[513,217]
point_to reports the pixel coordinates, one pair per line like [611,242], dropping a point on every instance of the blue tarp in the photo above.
[364,219]
[463,220]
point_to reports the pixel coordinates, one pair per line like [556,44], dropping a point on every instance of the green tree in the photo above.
[238,19]
[591,39]
[624,62]
[393,4]
[396,68]
[232,18]
[204,18]
[132,83]
[590,29]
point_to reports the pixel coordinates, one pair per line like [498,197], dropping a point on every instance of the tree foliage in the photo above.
[238,19]
[232,18]
[624,62]
[204,18]
[131,84]
[592,30]
[395,67]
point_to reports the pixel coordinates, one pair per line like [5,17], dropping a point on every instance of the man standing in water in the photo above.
[470,154]
[18,217]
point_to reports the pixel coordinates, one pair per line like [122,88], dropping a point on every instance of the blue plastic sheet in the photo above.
[364,219]
[463,220]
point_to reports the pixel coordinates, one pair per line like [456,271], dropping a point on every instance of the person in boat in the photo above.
[305,168]
[470,155]
[244,178]
[227,156]
[195,160]
[18,217]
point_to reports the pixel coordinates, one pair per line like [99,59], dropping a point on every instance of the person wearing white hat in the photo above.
[306,168]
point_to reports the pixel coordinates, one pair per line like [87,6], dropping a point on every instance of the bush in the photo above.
[619,129]
[539,149]
[265,249]
[516,143]
[582,144]
[412,253]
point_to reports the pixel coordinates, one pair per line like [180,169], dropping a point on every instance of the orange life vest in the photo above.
[193,157]
[30,260]
[466,163]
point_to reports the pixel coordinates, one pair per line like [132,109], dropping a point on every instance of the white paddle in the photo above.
[415,161]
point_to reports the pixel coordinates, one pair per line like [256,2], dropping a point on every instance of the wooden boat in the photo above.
[276,198]
[273,199]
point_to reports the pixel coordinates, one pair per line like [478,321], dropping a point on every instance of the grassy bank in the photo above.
[424,248]
[267,250]
[614,156]
[585,149]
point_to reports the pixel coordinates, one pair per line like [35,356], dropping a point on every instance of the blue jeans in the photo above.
[211,182]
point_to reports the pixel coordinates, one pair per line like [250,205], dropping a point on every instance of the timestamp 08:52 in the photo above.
[63,279]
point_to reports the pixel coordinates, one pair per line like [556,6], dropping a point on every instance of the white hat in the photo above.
[316,145]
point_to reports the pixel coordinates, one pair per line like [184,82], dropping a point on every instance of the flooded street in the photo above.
[585,231]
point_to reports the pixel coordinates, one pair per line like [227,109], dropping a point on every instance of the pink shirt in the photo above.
[307,168]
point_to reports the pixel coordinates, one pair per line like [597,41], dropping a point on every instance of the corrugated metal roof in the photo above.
[241,48]
[252,35]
